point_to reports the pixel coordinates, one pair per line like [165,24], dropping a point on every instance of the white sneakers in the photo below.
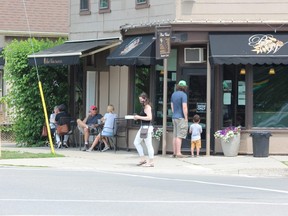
[105,148]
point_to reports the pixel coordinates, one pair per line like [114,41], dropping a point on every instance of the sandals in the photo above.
[142,163]
[148,165]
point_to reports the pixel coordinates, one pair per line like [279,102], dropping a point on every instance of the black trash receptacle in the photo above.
[261,143]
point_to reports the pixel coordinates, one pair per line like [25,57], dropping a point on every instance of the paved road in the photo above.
[57,191]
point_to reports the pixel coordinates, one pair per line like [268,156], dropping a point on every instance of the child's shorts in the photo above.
[196,143]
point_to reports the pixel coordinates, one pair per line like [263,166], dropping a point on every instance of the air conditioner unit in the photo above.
[194,55]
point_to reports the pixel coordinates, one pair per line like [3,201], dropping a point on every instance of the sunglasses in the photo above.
[94,109]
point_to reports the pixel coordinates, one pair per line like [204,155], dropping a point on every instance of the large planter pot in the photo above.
[231,148]
[155,144]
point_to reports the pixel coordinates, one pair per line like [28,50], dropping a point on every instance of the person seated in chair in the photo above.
[52,122]
[62,113]
[89,124]
[108,129]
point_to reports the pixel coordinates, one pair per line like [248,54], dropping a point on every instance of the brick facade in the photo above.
[44,16]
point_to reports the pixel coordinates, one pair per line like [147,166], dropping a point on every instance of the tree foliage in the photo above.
[23,97]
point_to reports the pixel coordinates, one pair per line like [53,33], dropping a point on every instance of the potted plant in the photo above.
[230,140]
[157,133]
[156,139]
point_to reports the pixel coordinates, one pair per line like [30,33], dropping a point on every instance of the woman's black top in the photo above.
[143,122]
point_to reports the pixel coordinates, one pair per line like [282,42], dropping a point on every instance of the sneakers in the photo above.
[105,148]
[65,145]
[59,144]
[85,147]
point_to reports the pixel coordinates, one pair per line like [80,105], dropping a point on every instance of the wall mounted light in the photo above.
[271,71]
[242,71]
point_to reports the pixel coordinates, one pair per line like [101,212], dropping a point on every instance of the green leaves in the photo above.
[23,96]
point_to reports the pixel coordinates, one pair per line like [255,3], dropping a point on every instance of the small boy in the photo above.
[195,130]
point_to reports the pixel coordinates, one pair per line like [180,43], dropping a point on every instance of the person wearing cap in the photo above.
[89,124]
[179,117]
[108,129]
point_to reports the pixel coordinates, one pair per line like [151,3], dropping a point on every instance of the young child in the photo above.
[195,130]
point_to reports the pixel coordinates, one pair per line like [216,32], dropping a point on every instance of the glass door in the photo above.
[197,91]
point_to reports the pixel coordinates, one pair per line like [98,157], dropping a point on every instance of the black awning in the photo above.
[138,50]
[2,62]
[70,52]
[254,48]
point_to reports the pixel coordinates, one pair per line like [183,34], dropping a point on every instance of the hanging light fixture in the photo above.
[242,71]
[271,71]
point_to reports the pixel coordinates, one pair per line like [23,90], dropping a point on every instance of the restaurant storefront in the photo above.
[239,76]
[251,74]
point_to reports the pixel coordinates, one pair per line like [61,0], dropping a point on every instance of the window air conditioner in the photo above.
[194,55]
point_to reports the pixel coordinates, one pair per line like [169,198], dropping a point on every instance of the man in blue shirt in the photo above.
[179,117]
[89,124]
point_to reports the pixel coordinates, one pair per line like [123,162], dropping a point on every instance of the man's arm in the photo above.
[172,108]
[185,111]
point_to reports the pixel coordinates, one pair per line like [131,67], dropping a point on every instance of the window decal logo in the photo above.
[133,44]
[265,44]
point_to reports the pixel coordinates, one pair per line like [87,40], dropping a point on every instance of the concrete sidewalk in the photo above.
[123,161]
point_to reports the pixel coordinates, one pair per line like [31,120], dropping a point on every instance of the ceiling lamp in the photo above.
[271,71]
[242,71]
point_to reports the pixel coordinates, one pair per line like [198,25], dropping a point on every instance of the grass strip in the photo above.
[21,155]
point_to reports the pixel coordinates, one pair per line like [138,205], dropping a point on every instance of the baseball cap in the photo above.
[93,107]
[182,83]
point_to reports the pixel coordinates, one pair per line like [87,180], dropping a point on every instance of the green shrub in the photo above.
[23,98]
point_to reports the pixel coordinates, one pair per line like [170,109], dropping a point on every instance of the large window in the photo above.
[158,108]
[233,93]
[159,82]
[270,96]
[141,84]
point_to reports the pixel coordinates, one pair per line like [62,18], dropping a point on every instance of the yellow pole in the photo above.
[46,117]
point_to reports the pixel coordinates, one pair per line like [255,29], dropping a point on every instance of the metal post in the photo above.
[208,106]
[164,107]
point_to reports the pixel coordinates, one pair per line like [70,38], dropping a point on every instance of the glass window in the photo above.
[141,84]
[142,4]
[158,104]
[233,94]
[270,96]
[171,81]
[104,6]
[84,5]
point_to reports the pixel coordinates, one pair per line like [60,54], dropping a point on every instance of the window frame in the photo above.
[84,11]
[141,5]
[105,10]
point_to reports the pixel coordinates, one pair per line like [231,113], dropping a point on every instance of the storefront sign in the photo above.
[132,45]
[163,42]
[52,61]
[201,107]
[265,43]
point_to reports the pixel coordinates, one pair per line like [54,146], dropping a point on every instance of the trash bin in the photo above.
[261,143]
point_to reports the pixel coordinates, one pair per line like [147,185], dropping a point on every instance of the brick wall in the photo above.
[43,15]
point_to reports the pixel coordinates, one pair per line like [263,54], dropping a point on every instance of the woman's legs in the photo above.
[138,146]
[148,142]
[150,149]
[95,142]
